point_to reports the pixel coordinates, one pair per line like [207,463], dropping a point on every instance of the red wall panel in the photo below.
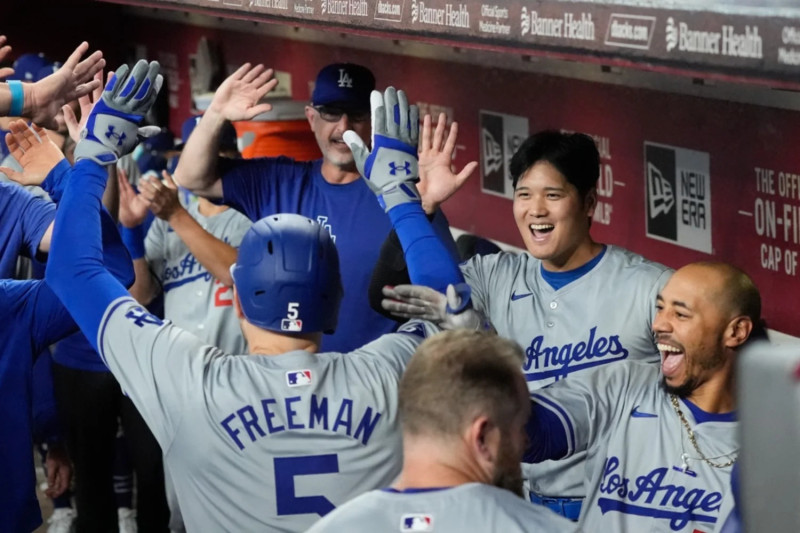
[737,138]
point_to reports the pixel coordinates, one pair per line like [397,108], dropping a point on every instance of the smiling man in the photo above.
[661,442]
[328,190]
[572,303]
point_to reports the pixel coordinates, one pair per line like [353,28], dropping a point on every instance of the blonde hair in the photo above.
[456,375]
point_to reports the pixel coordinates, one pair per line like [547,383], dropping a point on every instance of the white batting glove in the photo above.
[451,311]
[112,129]
[391,168]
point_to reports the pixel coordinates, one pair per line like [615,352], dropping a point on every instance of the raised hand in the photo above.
[86,102]
[437,180]
[132,208]
[449,311]
[33,150]
[238,96]
[391,167]
[112,129]
[73,80]
[4,51]
[161,197]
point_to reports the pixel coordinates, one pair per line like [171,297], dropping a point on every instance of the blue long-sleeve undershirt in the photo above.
[429,262]
[547,437]
[78,275]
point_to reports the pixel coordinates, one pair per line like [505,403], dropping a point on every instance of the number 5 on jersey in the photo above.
[292,322]
[287,468]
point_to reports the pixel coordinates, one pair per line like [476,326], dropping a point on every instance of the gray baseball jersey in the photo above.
[193,299]
[602,317]
[642,471]
[255,442]
[465,508]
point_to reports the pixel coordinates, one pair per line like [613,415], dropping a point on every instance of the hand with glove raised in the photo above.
[449,311]
[112,129]
[391,168]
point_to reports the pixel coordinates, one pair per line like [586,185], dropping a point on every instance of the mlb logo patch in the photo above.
[298,378]
[416,522]
[291,324]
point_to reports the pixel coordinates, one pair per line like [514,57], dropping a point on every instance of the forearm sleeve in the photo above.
[83,239]
[429,262]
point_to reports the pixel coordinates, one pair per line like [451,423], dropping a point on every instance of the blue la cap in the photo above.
[227,139]
[343,85]
[27,67]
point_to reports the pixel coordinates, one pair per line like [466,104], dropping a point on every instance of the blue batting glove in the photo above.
[391,168]
[112,129]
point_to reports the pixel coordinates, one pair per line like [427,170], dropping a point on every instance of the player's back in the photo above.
[282,440]
[465,508]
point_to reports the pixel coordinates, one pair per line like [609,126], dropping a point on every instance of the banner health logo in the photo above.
[678,184]
[671,34]
[524,21]
[630,31]
[414,11]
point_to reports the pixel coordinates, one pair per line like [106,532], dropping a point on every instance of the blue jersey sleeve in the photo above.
[547,435]
[34,308]
[429,261]
[78,275]
[25,214]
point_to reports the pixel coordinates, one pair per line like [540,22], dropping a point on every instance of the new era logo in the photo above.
[661,197]
[416,522]
[298,378]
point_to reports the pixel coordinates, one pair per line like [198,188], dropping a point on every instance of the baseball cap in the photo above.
[343,85]
[227,139]
[27,67]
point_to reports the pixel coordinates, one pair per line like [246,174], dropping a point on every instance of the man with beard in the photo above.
[660,443]
[463,409]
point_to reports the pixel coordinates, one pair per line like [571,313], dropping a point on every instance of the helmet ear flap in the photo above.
[287,276]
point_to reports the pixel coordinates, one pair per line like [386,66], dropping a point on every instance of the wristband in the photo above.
[17,98]
[133,239]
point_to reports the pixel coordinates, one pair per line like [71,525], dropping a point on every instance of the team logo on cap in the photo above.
[416,522]
[344,79]
[298,378]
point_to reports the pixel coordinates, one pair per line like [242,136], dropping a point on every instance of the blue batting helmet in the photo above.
[287,275]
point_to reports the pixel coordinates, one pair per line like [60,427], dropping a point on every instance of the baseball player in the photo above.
[327,190]
[189,252]
[275,439]
[82,382]
[660,442]
[572,303]
[463,407]
[31,319]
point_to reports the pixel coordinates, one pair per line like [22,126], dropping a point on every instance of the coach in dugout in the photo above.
[328,190]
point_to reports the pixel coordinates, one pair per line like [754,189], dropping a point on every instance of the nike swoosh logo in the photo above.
[636,413]
[515,296]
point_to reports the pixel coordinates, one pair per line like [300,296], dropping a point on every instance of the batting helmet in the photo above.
[287,275]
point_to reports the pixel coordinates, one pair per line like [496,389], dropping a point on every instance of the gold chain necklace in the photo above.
[692,439]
